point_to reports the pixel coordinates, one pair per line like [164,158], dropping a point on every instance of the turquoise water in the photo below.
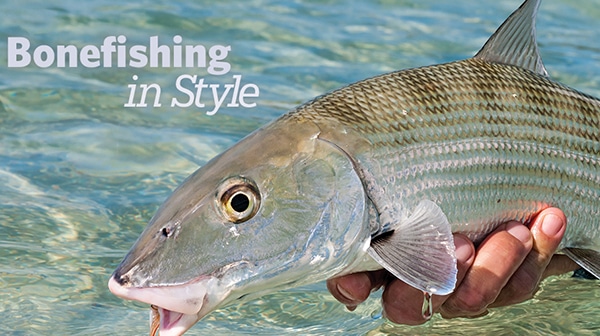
[81,173]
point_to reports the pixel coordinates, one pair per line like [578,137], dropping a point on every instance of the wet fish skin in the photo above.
[487,142]
[378,174]
[223,261]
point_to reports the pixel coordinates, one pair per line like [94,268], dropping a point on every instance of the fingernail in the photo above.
[551,225]
[463,250]
[347,298]
[519,231]
[346,295]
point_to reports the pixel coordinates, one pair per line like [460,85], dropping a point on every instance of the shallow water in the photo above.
[81,174]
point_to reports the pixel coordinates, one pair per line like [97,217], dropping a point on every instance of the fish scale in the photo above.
[514,102]
[488,142]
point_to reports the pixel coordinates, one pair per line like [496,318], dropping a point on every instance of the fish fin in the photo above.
[420,250]
[587,259]
[581,273]
[514,42]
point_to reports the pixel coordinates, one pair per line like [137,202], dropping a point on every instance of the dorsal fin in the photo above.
[514,42]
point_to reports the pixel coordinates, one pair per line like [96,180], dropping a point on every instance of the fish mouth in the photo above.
[178,307]
[170,323]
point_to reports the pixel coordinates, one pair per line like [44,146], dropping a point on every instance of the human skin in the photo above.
[506,268]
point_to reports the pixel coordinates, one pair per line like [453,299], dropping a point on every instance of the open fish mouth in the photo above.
[169,323]
[176,308]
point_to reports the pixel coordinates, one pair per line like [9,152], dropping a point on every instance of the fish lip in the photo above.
[178,306]
[188,298]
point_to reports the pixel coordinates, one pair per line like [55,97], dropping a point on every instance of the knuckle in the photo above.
[523,286]
[470,304]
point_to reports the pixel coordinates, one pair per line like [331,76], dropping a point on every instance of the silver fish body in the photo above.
[487,142]
[378,174]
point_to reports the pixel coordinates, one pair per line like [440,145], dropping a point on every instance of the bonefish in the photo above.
[378,174]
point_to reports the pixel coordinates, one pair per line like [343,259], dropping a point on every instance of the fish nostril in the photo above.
[168,231]
[123,280]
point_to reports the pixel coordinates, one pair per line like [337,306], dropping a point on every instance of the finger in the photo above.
[353,289]
[498,257]
[547,229]
[560,264]
[402,303]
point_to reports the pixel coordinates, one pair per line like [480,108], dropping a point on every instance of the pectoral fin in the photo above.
[587,259]
[420,250]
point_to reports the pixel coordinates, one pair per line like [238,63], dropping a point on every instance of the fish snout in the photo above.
[121,279]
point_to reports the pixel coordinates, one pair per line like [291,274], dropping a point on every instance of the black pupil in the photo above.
[240,202]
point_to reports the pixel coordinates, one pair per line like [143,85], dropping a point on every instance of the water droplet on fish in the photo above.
[234,232]
[427,310]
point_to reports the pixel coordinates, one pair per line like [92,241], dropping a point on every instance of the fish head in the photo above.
[281,208]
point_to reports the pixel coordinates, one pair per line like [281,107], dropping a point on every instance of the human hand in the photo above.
[506,268]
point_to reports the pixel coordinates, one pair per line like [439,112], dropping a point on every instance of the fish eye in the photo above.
[238,200]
